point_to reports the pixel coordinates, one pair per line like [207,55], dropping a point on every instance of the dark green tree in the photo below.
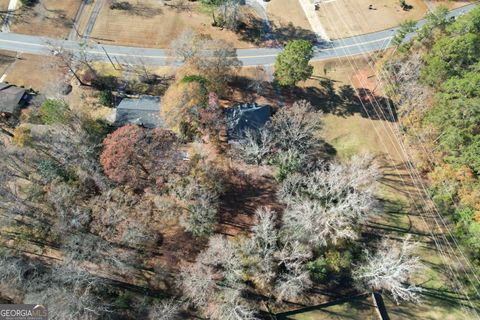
[292,65]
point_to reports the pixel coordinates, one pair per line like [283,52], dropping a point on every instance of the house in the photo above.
[11,99]
[247,116]
[144,111]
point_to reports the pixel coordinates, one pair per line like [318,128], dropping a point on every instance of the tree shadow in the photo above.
[345,100]
[254,30]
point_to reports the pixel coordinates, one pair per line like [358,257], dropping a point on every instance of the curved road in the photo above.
[250,57]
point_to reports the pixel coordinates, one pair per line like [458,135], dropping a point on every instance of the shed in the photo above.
[247,116]
[10,98]
[144,111]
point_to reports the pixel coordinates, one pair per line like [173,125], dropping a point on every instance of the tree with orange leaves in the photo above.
[140,158]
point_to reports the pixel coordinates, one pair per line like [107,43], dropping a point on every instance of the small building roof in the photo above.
[10,97]
[144,111]
[247,116]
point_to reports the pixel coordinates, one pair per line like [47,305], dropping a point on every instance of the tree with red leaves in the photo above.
[139,157]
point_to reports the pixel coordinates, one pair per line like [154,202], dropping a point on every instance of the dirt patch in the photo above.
[247,189]
[50,18]
[156,25]
[343,18]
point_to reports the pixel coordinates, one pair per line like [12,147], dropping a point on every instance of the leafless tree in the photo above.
[230,14]
[258,79]
[254,147]
[71,294]
[197,283]
[224,255]
[295,279]
[390,268]
[218,61]
[168,309]
[262,245]
[296,127]
[229,305]
[330,203]
[293,283]
[187,45]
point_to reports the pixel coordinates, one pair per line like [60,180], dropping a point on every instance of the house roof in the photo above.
[144,111]
[247,116]
[10,97]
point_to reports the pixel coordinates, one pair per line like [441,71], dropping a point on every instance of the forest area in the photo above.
[436,83]
[189,221]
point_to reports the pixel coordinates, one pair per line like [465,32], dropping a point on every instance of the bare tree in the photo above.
[197,283]
[330,203]
[390,268]
[224,255]
[168,309]
[295,279]
[258,79]
[229,14]
[72,294]
[293,283]
[187,45]
[255,146]
[262,245]
[229,305]
[296,127]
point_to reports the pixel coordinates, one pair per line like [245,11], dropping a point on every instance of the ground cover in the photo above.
[403,206]
[48,18]
[342,18]
[151,24]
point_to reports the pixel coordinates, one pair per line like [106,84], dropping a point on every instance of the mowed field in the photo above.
[4,5]
[284,12]
[51,18]
[150,24]
[344,18]
[33,71]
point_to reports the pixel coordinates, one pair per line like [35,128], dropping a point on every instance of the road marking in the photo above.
[119,54]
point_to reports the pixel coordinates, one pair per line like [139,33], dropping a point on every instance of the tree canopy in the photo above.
[291,65]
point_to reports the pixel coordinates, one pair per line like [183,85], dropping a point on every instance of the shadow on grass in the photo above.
[253,30]
[343,101]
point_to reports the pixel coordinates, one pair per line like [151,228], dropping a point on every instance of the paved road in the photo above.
[250,57]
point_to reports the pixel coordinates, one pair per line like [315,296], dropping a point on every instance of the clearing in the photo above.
[150,24]
[343,18]
[47,18]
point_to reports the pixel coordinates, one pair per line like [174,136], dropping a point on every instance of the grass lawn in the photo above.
[402,213]
[33,71]
[50,18]
[149,24]
[343,18]
[4,5]
[284,12]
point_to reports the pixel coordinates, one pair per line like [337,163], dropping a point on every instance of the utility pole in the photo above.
[108,56]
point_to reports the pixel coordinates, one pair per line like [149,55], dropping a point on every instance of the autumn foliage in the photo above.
[140,158]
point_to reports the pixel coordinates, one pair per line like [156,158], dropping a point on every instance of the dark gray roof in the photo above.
[10,97]
[144,110]
[248,116]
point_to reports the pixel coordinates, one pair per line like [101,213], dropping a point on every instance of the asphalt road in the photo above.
[250,57]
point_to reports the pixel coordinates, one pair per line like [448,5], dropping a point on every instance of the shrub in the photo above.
[106,98]
[29,3]
[122,5]
[55,112]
